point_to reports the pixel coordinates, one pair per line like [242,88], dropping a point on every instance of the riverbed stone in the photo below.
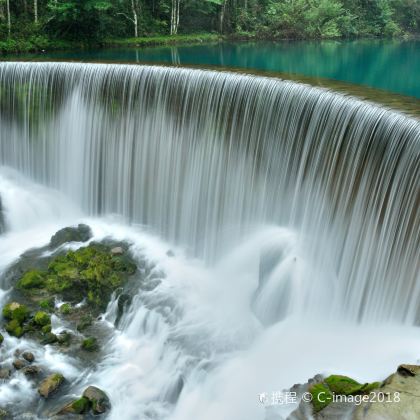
[50,385]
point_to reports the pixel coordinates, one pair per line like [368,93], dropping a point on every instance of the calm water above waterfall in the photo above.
[273,219]
[388,65]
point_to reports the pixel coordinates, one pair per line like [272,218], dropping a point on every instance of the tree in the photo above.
[135,12]
[36,11]
[175,4]
[9,21]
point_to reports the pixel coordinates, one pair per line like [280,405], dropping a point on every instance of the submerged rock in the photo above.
[50,385]
[28,356]
[5,373]
[98,399]
[31,371]
[19,364]
[81,233]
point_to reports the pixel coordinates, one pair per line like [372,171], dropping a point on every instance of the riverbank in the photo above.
[42,44]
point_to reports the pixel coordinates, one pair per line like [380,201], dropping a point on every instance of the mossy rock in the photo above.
[91,272]
[31,280]
[14,328]
[321,396]
[79,406]
[16,312]
[1,339]
[65,309]
[46,329]
[98,399]
[64,338]
[42,319]
[90,344]
[47,304]
[85,322]
[343,385]
[49,338]
[50,385]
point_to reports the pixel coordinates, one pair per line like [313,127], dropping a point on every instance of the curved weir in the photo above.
[206,158]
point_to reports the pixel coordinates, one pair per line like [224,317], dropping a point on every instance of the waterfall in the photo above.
[205,159]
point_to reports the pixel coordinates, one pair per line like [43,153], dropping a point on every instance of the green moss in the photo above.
[41,318]
[16,311]
[1,338]
[81,405]
[367,388]
[14,328]
[49,338]
[47,304]
[85,322]
[46,329]
[64,338]
[343,385]
[321,396]
[31,280]
[91,272]
[65,309]
[90,344]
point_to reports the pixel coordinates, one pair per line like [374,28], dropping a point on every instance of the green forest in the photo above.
[39,24]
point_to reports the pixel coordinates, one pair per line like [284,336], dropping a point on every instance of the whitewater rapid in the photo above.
[199,345]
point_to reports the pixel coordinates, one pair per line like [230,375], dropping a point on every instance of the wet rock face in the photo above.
[81,233]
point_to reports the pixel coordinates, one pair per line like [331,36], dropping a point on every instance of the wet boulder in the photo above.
[98,399]
[19,364]
[81,233]
[28,356]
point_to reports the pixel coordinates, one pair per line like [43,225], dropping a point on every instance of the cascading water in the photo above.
[303,205]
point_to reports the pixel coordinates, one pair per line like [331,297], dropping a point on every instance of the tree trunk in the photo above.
[222,15]
[36,11]
[9,22]
[175,16]
[135,19]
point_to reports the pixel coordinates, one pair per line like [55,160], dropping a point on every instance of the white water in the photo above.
[198,325]
[293,213]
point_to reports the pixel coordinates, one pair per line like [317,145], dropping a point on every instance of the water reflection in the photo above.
[383,64]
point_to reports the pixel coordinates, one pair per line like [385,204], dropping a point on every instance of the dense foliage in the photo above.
[40,21]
